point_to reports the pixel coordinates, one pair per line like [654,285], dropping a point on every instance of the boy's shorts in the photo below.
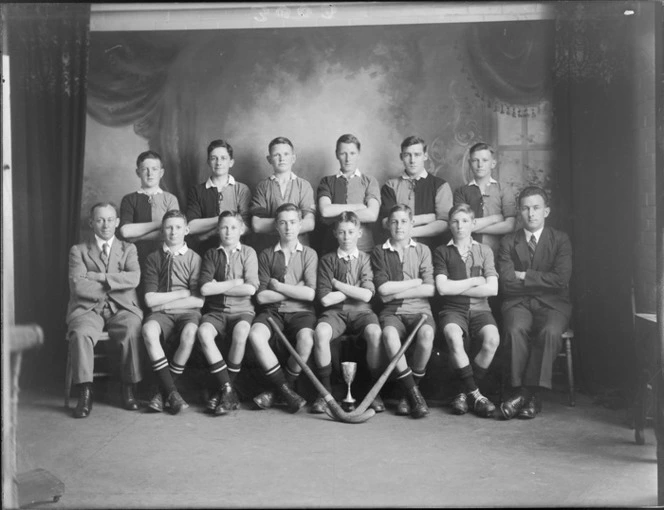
[353,322]
[224,322]
[405,322]
[289,323]
[470,322]
[170,322]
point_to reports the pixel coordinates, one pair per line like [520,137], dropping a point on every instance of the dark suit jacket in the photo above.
[547,278]
[122,278]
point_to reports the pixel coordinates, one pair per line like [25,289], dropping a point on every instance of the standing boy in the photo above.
[492,202]
[282,187]
[535,267]
[170,282]
[229,277]
[403,275]
[428,196]
[103,276]
[287,283]
[221,192]
[348,191]
[345,289]
[466,277]
[141,212]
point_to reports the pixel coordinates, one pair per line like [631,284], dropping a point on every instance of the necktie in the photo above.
[105,250]
[532,244]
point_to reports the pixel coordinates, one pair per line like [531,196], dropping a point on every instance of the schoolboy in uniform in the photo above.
[229,277]
[428,196]
[465,277]
[345,289]
[141,212]
[282,187]
[535,267]
[221,192]
[403,275]
[491,201]
[170,282]
[348,190]
[287,288]
[103,276]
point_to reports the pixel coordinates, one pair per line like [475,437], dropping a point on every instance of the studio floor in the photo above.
[581,456]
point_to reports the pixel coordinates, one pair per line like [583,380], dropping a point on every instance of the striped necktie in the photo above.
[105,251]
[532,244]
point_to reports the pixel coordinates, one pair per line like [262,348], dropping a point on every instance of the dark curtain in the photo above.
[48,48]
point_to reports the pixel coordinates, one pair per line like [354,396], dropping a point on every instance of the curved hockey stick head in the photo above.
[335,412]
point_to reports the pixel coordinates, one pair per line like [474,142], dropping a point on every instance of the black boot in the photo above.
[294,401]
[417,402]
[84,405]
[128,400]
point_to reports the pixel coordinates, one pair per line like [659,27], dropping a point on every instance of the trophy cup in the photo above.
[348,369]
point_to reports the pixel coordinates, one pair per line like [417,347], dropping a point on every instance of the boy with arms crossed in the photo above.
[466,277]
[287,283]
[403,275]
[170,282]
[345,289]
[229,277]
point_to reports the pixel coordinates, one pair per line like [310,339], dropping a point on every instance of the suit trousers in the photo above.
[124,330]
[532,334]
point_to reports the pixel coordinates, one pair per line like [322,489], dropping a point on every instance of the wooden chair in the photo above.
[566,352]
[69,376]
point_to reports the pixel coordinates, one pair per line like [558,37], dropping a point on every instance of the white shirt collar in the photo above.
[238,247]
[419,176]
[298,247]
[529,234]
[356,173]
[209,184]
[100,242]
[353,254]
[183,249]
[474,182]
[292,177]
[143,192]
[451,243]
[388,246]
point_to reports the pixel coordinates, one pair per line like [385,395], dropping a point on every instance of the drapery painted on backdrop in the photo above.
[48,48]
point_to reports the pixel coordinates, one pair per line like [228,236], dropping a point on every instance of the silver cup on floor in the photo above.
[348,370]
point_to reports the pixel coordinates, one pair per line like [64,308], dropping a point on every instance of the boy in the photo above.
[348,190]
[103,276]
[403,276]
[287,278]
[221,192]
[229,277]
[492,202]
[282,187]
[466,277]
[428,196]
[345,289]
[535,267]
[170,282]
[141,212]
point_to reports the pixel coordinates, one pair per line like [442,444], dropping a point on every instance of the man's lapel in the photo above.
[95,256]
[115,255]
[542,247]
[521,248]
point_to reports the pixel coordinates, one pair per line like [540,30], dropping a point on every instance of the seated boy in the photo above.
[427,195]
[229,277]
[492,202]
[466,277]
[403,276]
[345,289]
[282,187]
[287,283]
[141,212]
[348,190]
[221,192]
[170,282]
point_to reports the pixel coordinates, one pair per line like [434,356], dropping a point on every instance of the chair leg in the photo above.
[68,377]
[570,371]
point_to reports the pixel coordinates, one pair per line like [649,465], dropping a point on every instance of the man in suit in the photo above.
[103,276]
[534,266]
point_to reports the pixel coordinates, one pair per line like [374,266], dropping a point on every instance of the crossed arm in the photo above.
[477,286]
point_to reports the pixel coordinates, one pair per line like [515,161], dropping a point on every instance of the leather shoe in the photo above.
[460,404]
[212,403]
[419,405]
[176,402]
[294,402]
[157,402]
[265,400]
[528,411]
[481,405]
[319,406]
[128,400]
[512,406]
[84,405]
[403,407]
[377,405]
[229,399]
